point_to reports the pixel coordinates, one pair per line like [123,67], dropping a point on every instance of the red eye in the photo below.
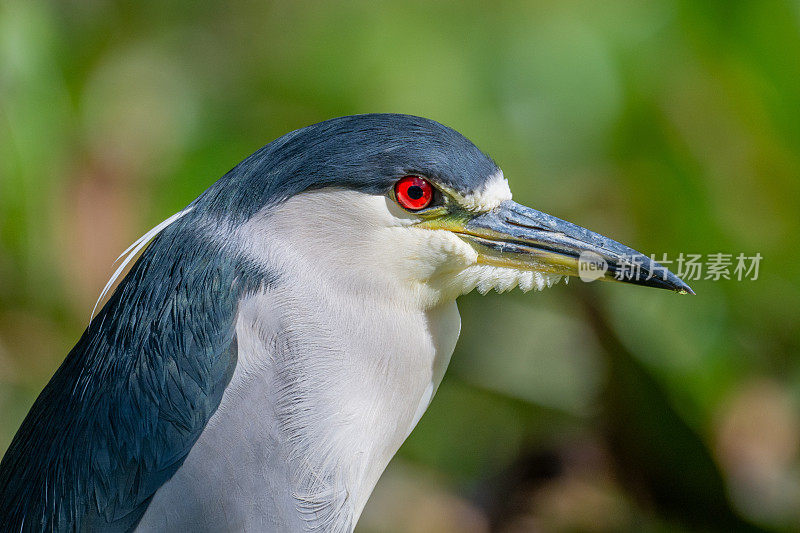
[413,193]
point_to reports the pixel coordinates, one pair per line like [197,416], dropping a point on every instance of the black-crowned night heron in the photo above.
[280,337]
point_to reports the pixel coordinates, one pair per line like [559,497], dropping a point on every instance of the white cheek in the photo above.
[428,253]
[354,242]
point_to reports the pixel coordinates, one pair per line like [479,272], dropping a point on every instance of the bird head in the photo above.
[405,208]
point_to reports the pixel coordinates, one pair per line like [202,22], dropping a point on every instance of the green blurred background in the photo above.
[672,126]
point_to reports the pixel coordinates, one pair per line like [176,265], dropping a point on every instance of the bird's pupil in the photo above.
[415,192]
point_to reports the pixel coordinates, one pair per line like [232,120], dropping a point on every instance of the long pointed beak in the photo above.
[519,237]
